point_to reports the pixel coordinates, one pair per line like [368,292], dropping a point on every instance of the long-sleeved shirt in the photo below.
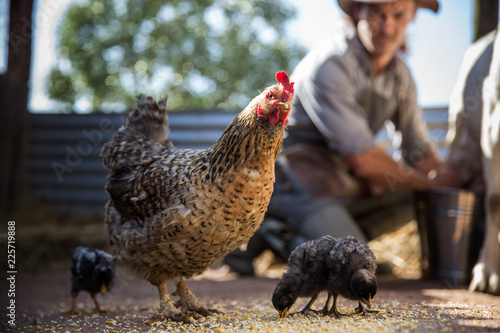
[340,103]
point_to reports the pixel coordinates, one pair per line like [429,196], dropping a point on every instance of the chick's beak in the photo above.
[284,313]
[103,289]
[368,302]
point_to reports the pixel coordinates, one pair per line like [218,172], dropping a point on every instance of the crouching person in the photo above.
[332,177]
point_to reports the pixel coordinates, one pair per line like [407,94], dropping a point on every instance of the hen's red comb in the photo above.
[282,77]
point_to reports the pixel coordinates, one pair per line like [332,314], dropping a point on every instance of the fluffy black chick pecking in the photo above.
[307,275]
[352,265]
[93,271]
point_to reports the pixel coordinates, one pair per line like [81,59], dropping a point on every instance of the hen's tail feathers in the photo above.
[141,138]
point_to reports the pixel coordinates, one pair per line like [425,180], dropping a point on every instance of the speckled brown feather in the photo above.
[174,212]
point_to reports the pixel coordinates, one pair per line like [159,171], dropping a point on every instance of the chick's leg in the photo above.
[73,304]
[324,311]
[361,310]
[308,306]
[188,302]
[168,311]
[333,311]
[97,309]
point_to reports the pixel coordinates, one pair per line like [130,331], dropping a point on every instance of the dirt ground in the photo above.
[45,241]
[406,306]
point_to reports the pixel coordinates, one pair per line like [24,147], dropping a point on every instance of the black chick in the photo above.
[93,271]
[307,275]
[352,266]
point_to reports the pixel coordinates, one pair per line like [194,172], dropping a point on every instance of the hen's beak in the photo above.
[284,313]
[284,106]
[368,302]
[103,289]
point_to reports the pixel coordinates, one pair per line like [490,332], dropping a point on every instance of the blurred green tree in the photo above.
[201,54]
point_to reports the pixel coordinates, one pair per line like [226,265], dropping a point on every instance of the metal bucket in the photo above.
[451,226]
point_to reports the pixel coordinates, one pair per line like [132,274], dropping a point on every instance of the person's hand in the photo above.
[382,172]
[445,175]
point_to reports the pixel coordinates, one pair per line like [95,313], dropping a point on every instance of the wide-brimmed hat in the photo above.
[346,5]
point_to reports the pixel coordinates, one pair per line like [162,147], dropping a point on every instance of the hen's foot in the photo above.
[199,311]
[189,304]
[167,309]
[169,315]
[169,312]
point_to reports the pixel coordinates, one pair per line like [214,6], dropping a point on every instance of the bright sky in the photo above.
[437,43]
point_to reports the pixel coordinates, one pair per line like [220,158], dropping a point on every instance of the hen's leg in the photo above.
[188,302]
[167,308]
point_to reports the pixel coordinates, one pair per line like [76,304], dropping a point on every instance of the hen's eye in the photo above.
[270,96]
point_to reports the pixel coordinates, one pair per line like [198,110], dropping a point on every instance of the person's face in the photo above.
[382,26]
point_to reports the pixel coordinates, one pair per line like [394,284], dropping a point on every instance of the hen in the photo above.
[172,212]
[352,266]
[307,275]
